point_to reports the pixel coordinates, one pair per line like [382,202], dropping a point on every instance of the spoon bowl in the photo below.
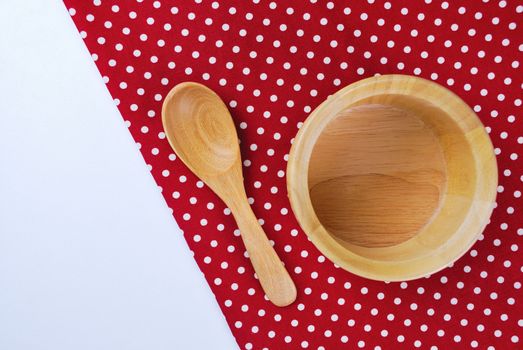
[197,119]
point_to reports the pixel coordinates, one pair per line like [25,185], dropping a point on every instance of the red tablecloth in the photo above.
[272,63]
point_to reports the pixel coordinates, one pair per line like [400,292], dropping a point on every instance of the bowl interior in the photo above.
[401,177]
[378,174]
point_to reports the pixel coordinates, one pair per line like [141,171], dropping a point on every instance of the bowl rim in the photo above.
[474,221]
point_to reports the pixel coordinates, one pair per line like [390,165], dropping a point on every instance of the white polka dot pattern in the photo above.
[273,62]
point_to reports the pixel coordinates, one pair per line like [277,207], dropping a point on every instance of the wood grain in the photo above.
[392,177]
[387,154]
[202,133]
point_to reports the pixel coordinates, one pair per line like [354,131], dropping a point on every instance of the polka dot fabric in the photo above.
[274,62]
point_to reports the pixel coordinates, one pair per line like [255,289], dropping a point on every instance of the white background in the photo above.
[90,256]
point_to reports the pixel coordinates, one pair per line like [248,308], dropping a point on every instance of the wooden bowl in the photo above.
[392,177]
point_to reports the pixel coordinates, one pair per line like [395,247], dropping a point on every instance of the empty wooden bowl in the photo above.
[392,177]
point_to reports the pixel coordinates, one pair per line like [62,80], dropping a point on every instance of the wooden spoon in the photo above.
[202,133]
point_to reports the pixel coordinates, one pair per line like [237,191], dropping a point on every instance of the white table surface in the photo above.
[90,256]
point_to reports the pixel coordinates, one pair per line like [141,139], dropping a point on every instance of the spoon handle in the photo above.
[274,278]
